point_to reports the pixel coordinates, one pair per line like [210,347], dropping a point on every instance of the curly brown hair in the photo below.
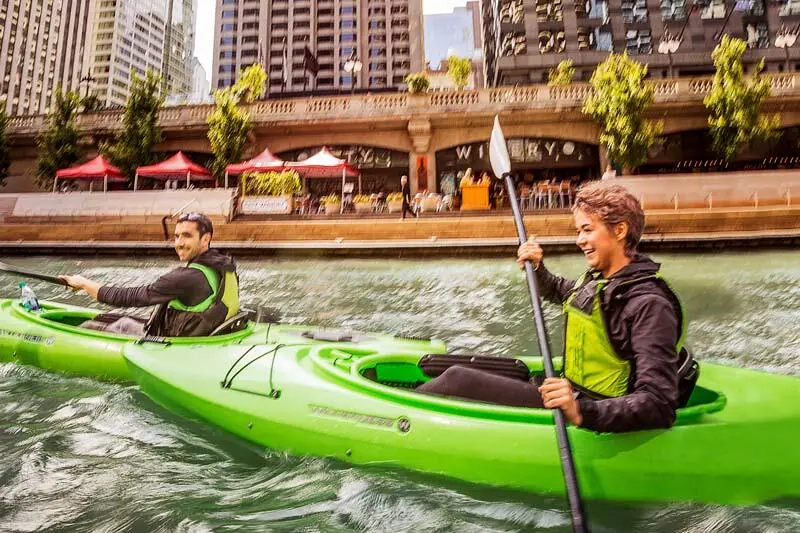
[613,204]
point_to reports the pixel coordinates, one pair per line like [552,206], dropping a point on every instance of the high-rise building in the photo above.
[131,36]
[524,39]
[200,84]
[41,48]
[457,33]
[383,37]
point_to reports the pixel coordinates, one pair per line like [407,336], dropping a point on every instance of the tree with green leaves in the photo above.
[133,145]
[5,155]
[58,143]
[459,69]
[417,82]
[735,101]
[562,74]
[91,103]
[229,125]
[618,104]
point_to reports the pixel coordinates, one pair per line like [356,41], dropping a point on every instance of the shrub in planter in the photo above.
[362,203]
[332,204]
[271,183]
[394,202]
[417,82]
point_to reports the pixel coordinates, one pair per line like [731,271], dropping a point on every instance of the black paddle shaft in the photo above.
[579,524]
[28,274]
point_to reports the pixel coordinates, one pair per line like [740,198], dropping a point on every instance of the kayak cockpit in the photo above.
[395,376]
[70,319]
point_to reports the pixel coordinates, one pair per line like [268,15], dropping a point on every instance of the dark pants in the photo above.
[406,207]
[473,384]
[124,326]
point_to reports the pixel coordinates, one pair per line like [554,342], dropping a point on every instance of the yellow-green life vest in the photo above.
[230,295]
[590,360]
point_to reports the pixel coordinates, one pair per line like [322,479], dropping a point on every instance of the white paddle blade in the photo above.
[498,151]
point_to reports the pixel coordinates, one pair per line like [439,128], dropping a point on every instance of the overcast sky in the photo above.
[204,42]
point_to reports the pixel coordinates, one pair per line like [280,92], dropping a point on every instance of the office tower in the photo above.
[41,47]
[131,36]
[524,39]
[293,38]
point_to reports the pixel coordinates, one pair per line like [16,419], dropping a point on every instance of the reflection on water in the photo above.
[79,455]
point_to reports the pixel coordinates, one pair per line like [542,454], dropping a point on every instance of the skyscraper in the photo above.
[292,38]
[41,48]
[457,33]
[524,39]
[131,36]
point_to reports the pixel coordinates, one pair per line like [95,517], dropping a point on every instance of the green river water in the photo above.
[80,455]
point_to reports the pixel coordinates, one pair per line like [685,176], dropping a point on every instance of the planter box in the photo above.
[362,208]
[394,207]
[333,209]
[267,205]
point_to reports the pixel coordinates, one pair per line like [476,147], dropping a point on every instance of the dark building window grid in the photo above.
[634,11]
[547,10]
[673,10]
[789,8]
[714,10]
[757,34]
[593,9]
[638,42]
[513,44]
[512,12]
[552,41]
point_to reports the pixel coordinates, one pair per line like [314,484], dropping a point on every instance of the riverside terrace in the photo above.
[744,208]
[423,129]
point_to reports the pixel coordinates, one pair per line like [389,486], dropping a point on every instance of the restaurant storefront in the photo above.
[381,168]
[532,160]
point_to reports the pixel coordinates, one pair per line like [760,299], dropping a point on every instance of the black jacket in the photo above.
[406,190]
[643,323]
[188,285]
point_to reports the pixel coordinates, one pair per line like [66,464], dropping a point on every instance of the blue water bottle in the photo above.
[28,298]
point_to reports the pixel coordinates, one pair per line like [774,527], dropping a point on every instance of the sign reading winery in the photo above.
[527,152]
[359,156]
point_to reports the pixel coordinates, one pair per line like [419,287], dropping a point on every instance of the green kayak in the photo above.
[52,340]
[736,442]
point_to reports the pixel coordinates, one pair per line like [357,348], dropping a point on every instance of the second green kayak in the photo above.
[736,442]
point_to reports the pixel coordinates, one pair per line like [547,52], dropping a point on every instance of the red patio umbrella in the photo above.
[177,165]
[324,164]
[97,168]
[264,161]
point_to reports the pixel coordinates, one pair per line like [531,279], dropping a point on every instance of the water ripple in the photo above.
[78,455]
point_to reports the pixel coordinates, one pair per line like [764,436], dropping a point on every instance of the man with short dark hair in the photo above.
[192,300]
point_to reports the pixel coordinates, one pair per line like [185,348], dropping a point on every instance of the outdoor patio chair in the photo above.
[565,192]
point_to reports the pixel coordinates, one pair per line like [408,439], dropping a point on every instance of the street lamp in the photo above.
[785,39]
[669,45]
[88,78]
[353,66]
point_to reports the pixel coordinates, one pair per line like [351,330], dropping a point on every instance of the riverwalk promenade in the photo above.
[475,234]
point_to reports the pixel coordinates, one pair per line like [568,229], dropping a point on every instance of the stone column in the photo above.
[419,129]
